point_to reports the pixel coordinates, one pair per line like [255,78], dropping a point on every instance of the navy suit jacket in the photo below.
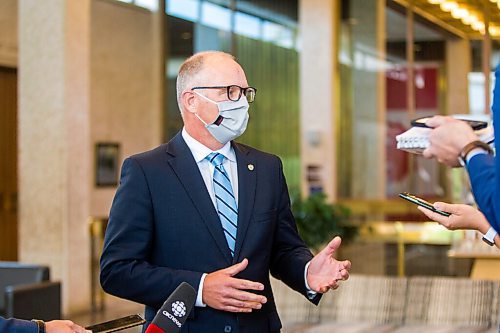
[484,170]
[17,326]
[164,229]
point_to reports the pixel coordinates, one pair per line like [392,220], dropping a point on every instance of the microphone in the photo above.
[174,312]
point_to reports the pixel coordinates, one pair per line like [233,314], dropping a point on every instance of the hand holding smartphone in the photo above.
[117,324]
[475,124]
[421,202]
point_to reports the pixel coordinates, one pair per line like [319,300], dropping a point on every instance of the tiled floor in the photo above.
[114,308]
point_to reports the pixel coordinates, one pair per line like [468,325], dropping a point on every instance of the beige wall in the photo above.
[53,115]
[125,87]
[8,33]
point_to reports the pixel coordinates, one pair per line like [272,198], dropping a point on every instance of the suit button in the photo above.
[228,329]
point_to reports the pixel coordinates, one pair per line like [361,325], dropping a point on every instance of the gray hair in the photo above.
[191,67]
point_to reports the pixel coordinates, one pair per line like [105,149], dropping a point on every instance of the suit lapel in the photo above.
[182,162]
[247,181]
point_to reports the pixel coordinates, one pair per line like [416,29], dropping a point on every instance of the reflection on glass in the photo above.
[149,4]
[247,25]
[216,16]
[476,92]
[186,9]
[278,34]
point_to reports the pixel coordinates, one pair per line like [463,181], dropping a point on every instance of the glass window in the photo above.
[185,9]
[149,4]
[271,32]
[216,16]
[247,25]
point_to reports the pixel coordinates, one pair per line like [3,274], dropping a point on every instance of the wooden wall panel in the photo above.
[8,164]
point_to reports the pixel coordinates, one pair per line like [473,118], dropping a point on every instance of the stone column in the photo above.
[54,151]
[318,95]
[457,69]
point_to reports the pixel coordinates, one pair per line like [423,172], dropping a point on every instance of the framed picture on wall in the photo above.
[107,156]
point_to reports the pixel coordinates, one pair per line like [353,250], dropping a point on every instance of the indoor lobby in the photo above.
[84,84]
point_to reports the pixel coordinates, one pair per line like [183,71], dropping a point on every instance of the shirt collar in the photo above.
[200,151]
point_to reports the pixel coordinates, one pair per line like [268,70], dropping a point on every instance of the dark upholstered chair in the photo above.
[26,292]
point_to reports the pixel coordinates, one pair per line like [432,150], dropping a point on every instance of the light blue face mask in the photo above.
[234,119]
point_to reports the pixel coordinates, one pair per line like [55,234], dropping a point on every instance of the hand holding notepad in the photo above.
[416,139]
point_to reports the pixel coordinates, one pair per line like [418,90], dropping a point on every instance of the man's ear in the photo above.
[189,101]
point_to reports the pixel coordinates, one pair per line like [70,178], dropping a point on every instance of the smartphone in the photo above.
[475,124]
[117,324]
[421,202]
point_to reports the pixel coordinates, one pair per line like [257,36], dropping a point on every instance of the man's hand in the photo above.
[63,326]
[324,272]
[447,139]
[224,292]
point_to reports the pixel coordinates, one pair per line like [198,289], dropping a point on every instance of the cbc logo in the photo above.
[179,309]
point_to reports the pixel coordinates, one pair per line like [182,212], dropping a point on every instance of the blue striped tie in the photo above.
[226,202]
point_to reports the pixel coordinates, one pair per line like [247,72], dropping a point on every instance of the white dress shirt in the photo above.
[200,152]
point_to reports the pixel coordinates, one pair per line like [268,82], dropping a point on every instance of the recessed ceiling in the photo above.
[477,8]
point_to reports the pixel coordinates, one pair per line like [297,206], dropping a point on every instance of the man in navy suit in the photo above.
[179,215]
[453,142]
[26,326]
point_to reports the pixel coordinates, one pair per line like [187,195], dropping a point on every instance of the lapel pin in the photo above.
[250,167]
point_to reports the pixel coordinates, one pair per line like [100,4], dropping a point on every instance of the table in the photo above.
[486,264]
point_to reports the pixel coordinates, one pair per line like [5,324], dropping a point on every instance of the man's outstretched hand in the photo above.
[222,291]
[324,271]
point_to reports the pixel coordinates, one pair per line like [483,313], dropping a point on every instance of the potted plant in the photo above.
[318,221]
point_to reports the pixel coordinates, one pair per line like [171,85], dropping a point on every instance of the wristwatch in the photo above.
[489,237]
[40,324]
[462,158]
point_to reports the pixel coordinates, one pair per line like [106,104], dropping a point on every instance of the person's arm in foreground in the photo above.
[27,326]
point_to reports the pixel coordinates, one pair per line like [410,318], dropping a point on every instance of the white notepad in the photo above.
[416,139]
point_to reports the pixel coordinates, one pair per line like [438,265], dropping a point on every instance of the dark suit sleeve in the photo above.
[17,326]
[290,254]
[484,170]
[126,269]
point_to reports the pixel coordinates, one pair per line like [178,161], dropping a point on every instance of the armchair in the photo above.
[26,292]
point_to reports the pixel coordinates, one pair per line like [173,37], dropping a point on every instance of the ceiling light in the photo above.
[495,31]
[470,20]
[478,26]
[435,2]
[448,6]
[458,13]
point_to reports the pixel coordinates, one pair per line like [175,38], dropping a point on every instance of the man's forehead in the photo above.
[223,72]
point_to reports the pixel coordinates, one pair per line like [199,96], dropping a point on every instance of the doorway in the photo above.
[8,164]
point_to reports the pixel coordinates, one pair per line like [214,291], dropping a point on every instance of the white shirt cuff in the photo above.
[199,297]
[310,293]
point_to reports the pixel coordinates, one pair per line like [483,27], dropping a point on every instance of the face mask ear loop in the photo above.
[208,99]
[197,116]
[205,97]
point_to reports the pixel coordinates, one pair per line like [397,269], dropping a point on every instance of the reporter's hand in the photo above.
[462,217]
[64,326]
[447,139]
[224,292]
